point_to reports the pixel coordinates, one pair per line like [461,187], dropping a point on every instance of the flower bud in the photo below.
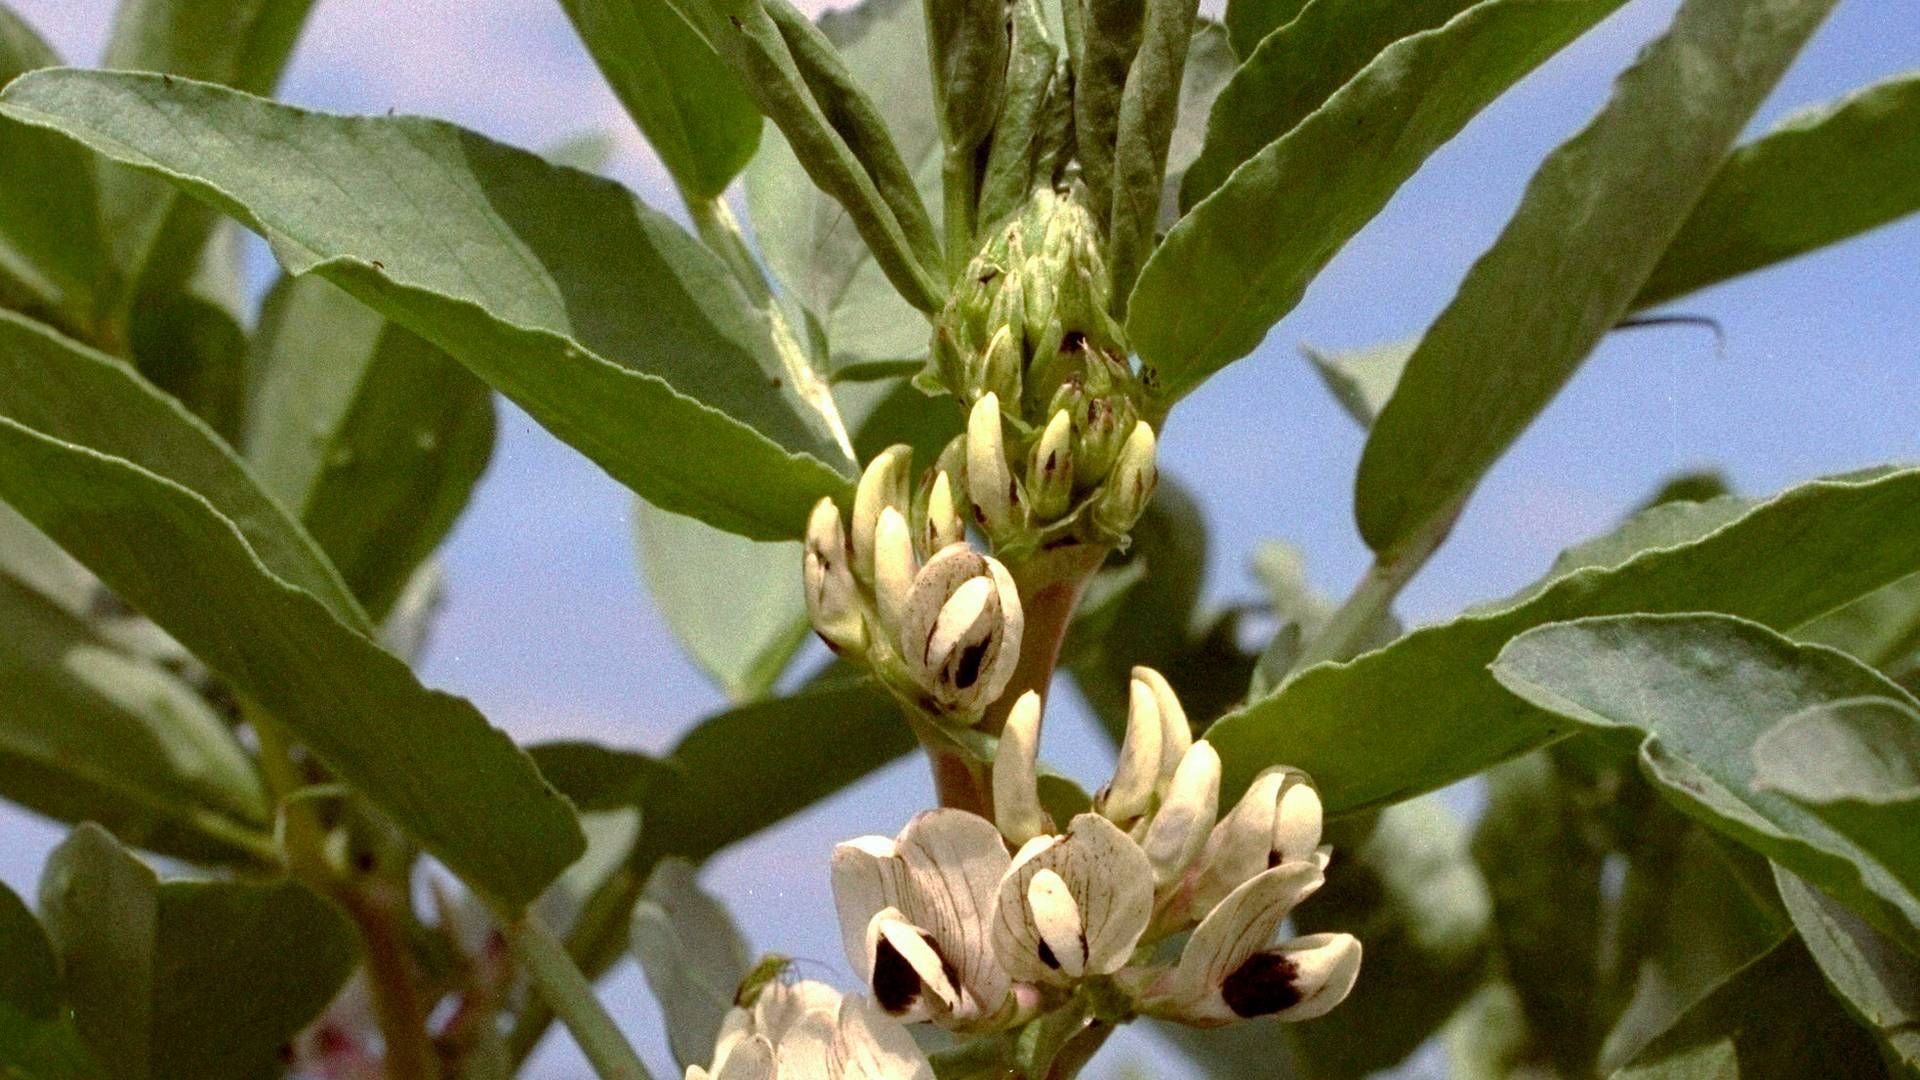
[999,370]
[832,595]
[1050,471]
[1180,827]
[989,482]
[883,484]
[1131,484]
[1176,733]
[944,524]
[894,567]
[1016,788]
[1130,795]
[960,631]
[1101,426]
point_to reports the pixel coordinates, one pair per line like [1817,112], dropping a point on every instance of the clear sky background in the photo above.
[550,630]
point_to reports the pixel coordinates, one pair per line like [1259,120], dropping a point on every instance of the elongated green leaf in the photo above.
[743,770]
[90,733]
[1410,890]
[30,979]
[808,240]
[1880,628]
[54,259]
[735,605]
[1422,712]
[194,980]
[195,350]
[1537,302]
[1878,981]
[158,236]
[598,778]
[1820,176]
[1771,1020]
[526,273]
[683,97]
[1242,257]
[1248,22]
[373,436]
[1702,689]
[1149,109]
[1210,64]
[693,957]
[1102,58]
[456,784]
[76,395]
[967,41]
[1362,380]
[1295,69]
[1033,91]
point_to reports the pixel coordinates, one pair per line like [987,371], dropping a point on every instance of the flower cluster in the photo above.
[937,621]
[1027,343]
[943,924]
[809,1030]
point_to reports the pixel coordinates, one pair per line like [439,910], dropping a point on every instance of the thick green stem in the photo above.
[1346,634]
[566,989]
[1080,1050]
[597,939]
[959,185]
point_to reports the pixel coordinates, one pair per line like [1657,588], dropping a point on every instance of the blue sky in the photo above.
[550,630]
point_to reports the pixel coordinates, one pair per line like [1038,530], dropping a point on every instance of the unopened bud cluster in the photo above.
[979,925]
[939,622]
[1056,444]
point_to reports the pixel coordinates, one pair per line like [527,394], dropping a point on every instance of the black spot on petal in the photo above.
[896,986]
[1262,986]
[1047,957]
[971,659]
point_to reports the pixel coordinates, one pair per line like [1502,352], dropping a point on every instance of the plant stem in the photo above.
[959,188]
[1079,1050]
[566,989]
[1050,584]
[375,910]
[597,939]
[1346,634]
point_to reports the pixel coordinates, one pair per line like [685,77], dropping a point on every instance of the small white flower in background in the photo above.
[946,634]
[914,917]
[810,1031]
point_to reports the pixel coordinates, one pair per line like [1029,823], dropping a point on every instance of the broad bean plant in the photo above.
[896,373]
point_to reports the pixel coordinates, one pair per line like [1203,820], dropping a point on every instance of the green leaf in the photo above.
[837,133]
[72,393]
[1035,82]
[805,236]
[1102,57]
[1874,977]
[373,436]
[196,351]
[1702,689]
[1880,628]
[1820,176]
[524,272]
[1362,380]
[681,95]
[693,957]
[1422,712]
[1248,22]
[967,42]
[1210,64]
[30,978]
[597,778]
[745,769]
[1262,236]
[458,785]
[157,236]
[1770,1020]
[1409,889]
[736,606]
[1293,72]
[1149,109]
[54,260]
[196,980]
[1537,302]
[150,761]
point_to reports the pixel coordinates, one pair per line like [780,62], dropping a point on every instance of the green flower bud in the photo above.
[1130,485]
[1050,469]
[1000,367]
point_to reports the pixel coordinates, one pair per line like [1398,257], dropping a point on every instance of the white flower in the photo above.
[1073,906]
[959,628]
[914,917]
[1276,821]
[809,1031]
[1229,971]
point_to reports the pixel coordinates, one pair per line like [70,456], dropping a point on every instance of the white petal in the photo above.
[1176,732]
[1056,915]
[1016,790]
[1180,826]
[781,1006]
[1325,968]
[1013,620]
[960,621]
[1131,793]
[894,566]
[907,968]
[867,875]
[1296,824]
[1111,883]
[882,484]
[1240,926]
[989,483]
[736,1026]
[1241,845]
[809,1049]
[751,1059]
[875,1046]
[954,862]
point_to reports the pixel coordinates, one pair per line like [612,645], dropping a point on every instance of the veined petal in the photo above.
[1297,820]
[1111,884]
[874,1046]
[868,875]
[954,862]
[1302,979]
[1236,929]
[894,566]
[1013,622]
[1242,844]
[782,1007]
[750,1059]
